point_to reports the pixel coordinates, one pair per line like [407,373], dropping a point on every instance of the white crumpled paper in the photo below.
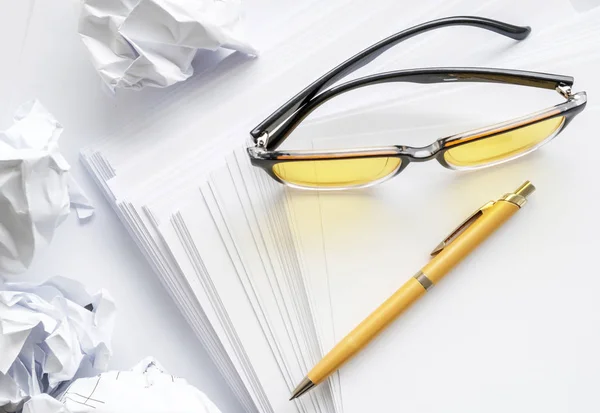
[36,189]
[146,388]
[139,43]
[50,334]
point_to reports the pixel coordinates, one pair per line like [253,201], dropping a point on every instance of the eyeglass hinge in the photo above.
[564,90]
[261,141]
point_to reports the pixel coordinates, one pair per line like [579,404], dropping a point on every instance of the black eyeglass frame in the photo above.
[279,125]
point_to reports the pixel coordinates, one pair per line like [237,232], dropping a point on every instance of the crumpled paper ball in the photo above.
[139,43]
[146,388]
[50,334]
[36,189]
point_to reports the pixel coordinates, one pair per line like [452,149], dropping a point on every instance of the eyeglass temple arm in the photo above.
[372,52]
[429,75]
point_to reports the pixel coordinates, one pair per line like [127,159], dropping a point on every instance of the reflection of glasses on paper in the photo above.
[354,168]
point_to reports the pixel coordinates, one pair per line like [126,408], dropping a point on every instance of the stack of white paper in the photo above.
[271,278]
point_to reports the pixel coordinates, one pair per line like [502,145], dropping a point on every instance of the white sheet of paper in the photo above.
[379,217]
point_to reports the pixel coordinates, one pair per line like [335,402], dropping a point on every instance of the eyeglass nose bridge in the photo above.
[422,154]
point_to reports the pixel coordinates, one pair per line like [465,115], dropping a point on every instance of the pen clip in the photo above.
[460,229]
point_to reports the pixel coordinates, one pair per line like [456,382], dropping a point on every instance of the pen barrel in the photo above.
[468,240]
[367,330]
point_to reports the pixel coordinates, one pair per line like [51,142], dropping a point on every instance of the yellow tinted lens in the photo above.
[340,173]
[502,146]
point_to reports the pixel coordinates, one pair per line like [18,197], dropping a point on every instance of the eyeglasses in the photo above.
[362,167]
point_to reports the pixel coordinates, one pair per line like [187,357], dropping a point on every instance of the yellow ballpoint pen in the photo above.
[464,239]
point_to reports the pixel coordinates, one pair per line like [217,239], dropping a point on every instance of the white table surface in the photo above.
[44,58]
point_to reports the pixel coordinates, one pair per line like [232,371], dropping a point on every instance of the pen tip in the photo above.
[305,385]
